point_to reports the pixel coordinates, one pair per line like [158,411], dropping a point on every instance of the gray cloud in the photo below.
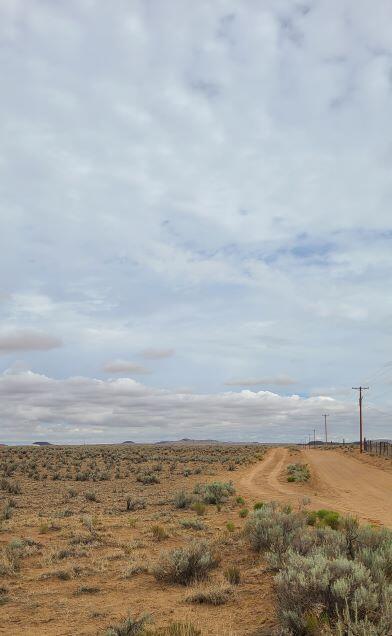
[156,354]
[36,406]
[27,340]
[279,380]
[124,366]
[242,213]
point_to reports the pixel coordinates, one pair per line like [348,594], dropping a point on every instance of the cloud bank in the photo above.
[37,407]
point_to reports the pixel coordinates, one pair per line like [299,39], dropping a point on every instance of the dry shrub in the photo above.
[233,575]
[215,594]
[184,565]
[128,627]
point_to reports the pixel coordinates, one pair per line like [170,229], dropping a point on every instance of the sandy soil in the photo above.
[346,483]
[40,602]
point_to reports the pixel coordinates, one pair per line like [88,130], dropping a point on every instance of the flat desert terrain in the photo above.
[85,531]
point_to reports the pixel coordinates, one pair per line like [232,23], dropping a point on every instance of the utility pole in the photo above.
[360,389]
[325,427]
[314,438]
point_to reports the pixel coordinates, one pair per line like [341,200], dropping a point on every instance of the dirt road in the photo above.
[338,482]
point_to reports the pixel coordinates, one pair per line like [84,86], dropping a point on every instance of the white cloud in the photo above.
[124,366]
[34,405]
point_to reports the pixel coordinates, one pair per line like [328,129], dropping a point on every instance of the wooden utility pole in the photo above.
[325,427]
[360,389]
[314,438]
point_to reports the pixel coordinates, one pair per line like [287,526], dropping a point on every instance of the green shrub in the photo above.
[184,565]
[311,517]
[314,585]
[215,493]
[272,528]
[240,500]
[182,500]
[198,507]
[335,578]
[243,513]
[147,478]
[258,505]
[329,518]
[298,472]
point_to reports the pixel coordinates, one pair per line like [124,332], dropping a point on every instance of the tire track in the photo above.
[341,483]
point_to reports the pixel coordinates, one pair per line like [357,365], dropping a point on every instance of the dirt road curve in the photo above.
[339,482]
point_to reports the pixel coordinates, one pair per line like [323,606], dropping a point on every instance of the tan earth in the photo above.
[346,483]
[46,597]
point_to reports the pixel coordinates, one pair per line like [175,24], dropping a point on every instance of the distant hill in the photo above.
[42,444]
[128,442]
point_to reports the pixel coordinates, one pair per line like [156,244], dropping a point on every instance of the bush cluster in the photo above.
[215,493]
[185,565]
[298,472]
[332,580]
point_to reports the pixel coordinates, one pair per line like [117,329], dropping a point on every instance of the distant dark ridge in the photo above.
[201,442]
[128,442]
[42,444]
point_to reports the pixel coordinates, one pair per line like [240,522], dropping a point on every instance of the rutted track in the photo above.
[339,482]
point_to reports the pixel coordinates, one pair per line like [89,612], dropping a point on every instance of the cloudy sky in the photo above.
[196,229]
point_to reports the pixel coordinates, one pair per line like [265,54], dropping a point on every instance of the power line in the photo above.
[379,373]
[380,393]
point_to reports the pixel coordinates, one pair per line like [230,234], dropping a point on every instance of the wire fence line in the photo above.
[378,447]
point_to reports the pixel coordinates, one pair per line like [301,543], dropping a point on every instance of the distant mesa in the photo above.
[186,441]
[42,444]
[128,442]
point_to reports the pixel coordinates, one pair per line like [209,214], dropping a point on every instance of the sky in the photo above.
[196,230]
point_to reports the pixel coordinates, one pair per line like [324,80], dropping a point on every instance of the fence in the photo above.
[378,448]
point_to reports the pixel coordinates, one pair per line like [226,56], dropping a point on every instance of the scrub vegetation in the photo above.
[162,541]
